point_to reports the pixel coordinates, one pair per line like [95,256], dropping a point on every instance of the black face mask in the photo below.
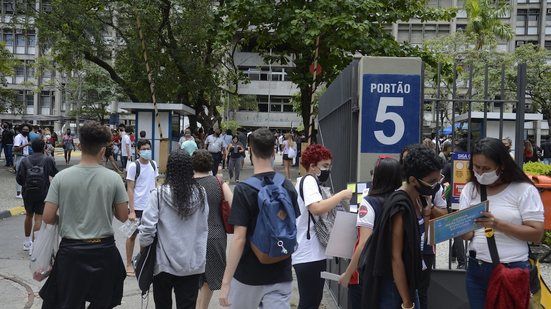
[425,190]
[324,175]
[25,133]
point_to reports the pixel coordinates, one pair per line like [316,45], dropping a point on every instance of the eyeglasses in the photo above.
[434,184]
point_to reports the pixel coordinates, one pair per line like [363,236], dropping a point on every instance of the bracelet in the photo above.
[412,306]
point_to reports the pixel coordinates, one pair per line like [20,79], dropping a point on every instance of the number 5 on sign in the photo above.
[384,115]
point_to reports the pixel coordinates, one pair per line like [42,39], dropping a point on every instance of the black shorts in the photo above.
[33,207]
[286,157]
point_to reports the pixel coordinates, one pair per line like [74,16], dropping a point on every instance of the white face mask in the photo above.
[487,178]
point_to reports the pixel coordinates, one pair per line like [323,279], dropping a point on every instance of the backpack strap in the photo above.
[301,190]
[490,237]
[153,165]
[138,168]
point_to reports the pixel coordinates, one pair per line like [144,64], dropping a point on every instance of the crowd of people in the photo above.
[391,263]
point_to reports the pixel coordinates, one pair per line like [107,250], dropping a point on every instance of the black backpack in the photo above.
[138,168]
[36,186]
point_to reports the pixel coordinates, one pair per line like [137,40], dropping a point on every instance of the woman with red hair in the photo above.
[309,259]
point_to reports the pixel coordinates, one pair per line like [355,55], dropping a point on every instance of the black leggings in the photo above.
[185,290]
[310,284]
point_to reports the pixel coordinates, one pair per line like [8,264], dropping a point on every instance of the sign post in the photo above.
[390,108]
[461,175]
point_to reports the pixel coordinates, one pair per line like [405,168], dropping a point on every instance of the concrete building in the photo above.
[269,84]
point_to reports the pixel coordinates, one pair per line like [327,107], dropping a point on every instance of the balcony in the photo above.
[262,87]
[270,120]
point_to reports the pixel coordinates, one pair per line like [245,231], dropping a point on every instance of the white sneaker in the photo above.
[27,245]
[31,249]
[19,196]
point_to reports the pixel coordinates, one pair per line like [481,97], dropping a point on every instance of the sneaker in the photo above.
[31,250]
[461,266]
[19,196]
[27,245]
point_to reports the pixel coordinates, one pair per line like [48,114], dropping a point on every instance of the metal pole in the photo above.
[149,76]
[454,92]
[437,108]
[502,93]
[485,120]
[311,129]
[521,107]
[469,104]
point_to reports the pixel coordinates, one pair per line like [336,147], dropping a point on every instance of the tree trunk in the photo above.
[305,104]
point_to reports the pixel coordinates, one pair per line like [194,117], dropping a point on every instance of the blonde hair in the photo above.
[290,140]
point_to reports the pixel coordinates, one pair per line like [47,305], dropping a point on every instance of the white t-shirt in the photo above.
[21,140]
[309,250]
[144,184]
[126,141]
[517,203]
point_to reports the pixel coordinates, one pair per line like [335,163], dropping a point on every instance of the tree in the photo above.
[180,38]
[91,91]
[7,96]
[325,31]
[484,21]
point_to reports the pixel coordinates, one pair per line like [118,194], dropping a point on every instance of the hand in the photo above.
[223,298]
[487,220]
[344,279]
[345,194]
[132,216]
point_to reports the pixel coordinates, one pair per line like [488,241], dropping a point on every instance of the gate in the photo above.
[451,98]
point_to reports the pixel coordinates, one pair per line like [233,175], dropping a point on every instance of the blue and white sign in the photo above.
[391,112]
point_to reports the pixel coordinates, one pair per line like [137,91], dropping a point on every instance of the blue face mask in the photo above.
[146,154]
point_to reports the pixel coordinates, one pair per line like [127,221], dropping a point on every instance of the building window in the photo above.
[46,99]
[276,74]
[7,6]
[274,104]
[527,22]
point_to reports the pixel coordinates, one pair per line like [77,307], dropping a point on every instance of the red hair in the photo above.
[314,154]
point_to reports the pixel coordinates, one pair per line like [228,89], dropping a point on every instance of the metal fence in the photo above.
[451,96]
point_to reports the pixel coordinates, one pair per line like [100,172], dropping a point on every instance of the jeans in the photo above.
[458,250]
[269,296]
[355,296]
[216,158]
[185,290]
[124,161]
[478,277]
[547,160]
[389,298]
[310,284]
[8,148]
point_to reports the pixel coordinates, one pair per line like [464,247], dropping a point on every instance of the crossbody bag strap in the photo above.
[490,237]
[301,191]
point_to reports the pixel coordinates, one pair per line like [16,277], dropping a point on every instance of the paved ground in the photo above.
[17,288]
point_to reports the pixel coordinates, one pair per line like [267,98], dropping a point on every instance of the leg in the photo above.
[28,224]
[69,155]
[162,290]
[238,165]
[425,280]
[286,168]
[459,247]
[355,296]
[65,155]
[17,163]
[310,285]
[129,252]
[37,224]
[185,290]
[277,296]
[203,300]
[476,282]
[231,167]
[245,296]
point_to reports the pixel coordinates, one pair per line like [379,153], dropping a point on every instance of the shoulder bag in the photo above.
[144,261]
[225,209]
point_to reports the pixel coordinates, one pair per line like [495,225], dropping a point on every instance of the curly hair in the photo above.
[313,154]
[184,188]
[202,161]
[94,136]
[420,161]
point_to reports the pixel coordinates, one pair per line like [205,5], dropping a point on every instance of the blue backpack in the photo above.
[274,238]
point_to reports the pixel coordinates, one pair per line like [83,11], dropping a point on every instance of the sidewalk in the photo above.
[19,290]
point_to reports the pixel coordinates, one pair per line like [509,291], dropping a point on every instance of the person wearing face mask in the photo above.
[515,215]
[141,178]
[393,255]
[309,259]
[21,145]
[68,146]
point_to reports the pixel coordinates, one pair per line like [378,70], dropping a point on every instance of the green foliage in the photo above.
[547,238]
[537,168]
[484,21]
[327,31]
[90,91]
[180,38]
[7,96]
[230,124]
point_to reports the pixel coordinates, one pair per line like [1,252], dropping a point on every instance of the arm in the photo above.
[228,195]
[528,230]
[398,268]
[21,173]
[114,164]
[236,251]
[50,213]
[121,211]
[150,218]
[324,206]
[131,185]
[365,233]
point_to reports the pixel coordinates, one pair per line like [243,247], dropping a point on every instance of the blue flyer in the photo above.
[456,223]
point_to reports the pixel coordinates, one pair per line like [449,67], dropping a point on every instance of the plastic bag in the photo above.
[44,250]
[129,227]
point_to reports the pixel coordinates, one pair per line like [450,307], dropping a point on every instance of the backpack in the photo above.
[291,153]
[138,168]
[274,238]
[36,186]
